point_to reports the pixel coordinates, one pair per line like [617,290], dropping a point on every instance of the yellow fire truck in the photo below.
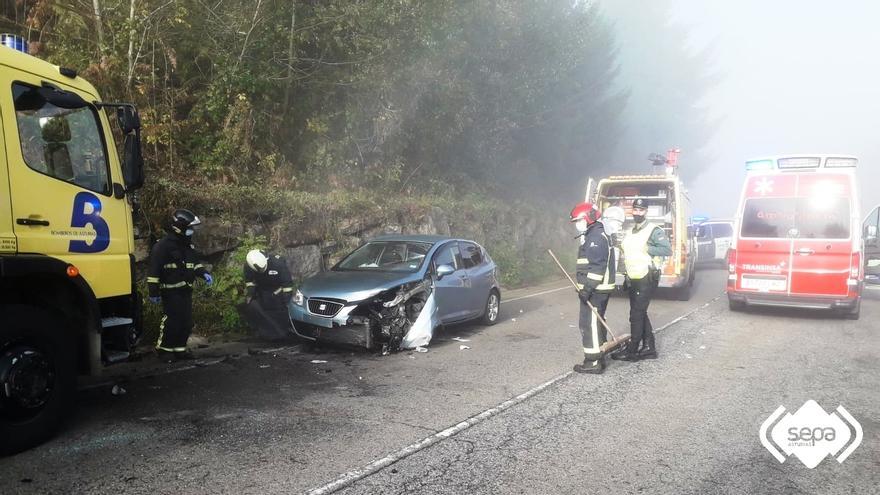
[668,207]
[68,302]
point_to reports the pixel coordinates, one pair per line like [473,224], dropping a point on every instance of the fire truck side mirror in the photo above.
[133,159]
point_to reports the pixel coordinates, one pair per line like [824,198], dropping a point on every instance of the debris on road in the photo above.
[459,339]
[463,347]
[264,366]
[421,349]
[702,347]
[688,356]
[117,390]
[513,320]
[318,361]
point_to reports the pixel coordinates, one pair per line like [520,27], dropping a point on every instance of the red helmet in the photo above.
[587,211]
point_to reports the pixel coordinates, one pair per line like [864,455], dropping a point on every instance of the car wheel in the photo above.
[736,305]
[493,308]
[38,376]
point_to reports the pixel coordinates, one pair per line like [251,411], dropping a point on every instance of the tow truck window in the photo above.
[804,218]
[60,142]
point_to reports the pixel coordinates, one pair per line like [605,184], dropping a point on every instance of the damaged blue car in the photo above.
[394,291]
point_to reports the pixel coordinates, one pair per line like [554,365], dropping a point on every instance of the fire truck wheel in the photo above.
[37,377]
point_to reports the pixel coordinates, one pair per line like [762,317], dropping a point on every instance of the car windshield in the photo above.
[386,256]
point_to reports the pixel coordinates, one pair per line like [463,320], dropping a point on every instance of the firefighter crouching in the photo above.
[174,266]
[642,247]
[268,290]
[595,281]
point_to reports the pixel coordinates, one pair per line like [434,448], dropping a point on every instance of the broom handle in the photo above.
[574,284]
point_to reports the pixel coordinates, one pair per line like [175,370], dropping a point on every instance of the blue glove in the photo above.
[209,280]
[155,299]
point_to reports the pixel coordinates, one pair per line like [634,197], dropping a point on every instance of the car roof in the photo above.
[432,239]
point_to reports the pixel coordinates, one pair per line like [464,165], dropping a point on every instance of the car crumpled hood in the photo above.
[353,285]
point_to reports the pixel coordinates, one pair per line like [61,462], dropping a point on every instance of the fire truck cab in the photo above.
[798,235]
[68,302]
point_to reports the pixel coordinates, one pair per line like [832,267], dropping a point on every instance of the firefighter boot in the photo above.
[628,353]
[591,365]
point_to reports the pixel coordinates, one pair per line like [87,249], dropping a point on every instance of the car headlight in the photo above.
[298,298]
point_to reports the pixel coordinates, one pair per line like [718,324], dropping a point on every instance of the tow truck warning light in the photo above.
[15,42]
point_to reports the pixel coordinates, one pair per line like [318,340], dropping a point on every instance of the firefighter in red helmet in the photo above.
[595,282]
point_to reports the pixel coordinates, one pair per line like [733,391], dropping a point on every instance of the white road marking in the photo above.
[550,291]
[355,475]
[872,287]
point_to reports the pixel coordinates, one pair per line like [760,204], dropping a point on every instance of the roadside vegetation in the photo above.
[297,119]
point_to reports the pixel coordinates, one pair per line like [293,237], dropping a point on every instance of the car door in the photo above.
[479,273]
[452,290]
[705,243]
[62,174]
[722,235]
[871,233]
[822,246]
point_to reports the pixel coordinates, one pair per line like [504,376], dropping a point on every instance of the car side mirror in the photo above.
[870,233]
[444,270]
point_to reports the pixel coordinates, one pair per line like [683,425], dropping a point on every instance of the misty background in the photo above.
[765,78]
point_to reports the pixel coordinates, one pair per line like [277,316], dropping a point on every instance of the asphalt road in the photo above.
[686,423]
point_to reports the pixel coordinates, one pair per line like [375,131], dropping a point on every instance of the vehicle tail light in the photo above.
[731,261]
[855,269]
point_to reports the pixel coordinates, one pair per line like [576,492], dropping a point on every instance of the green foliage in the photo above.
[215,308]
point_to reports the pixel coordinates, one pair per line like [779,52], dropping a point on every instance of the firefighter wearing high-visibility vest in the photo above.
[595,281]
[643,247]
[174,267]
[268,289]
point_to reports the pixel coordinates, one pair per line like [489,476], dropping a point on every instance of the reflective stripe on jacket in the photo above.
[595,264]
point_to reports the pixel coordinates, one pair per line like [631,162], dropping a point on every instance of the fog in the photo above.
[788,76]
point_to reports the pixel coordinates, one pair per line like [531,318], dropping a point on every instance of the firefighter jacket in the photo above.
[642,246]
[596,264]
[275,281]
[174,264]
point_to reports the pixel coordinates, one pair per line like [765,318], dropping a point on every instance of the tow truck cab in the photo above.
[68,302]
[668,207]
[798,235]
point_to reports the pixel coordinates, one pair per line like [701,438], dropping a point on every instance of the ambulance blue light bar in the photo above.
[15,42]
[760,165]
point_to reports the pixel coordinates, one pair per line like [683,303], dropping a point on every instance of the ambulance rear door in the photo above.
[823,247]
[764,244]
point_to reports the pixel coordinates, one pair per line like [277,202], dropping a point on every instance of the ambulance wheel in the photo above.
[853,314]
[493,308]
[37,377]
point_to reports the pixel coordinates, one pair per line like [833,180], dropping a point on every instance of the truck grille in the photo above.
[323,307]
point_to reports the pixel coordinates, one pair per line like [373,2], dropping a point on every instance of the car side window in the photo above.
[722,230]
[471,255]
[448,255]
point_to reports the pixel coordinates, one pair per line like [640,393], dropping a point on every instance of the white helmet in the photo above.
[613,218]
[257,260]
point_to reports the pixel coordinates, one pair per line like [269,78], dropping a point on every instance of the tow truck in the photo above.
[668,207]
[68,301]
